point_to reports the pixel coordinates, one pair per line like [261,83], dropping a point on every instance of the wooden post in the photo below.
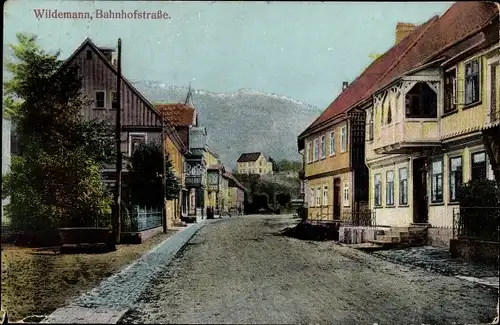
[118,128]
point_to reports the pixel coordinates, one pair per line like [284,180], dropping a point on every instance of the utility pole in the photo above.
[118,131]
[164,177]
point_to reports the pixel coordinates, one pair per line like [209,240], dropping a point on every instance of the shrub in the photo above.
[480,209]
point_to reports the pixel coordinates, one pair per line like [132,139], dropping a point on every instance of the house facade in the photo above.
[424,124]
[140,121]
[176,208]
[217,184]
[235,194]
[334,172]
[254,163]
[184,117]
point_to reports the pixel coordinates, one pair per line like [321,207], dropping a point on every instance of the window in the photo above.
[346,195]
[378,189]
[316,149]
[403,186]
[89,54]
[421,102]
[472,82]
[323,147]
[389,188]
[343,138]
[325,195]
[312,197]
[134,140]
[450,90]
[318,197]
[478,169]
[370,124]
[309,152]
[114,100]
[100,99]
[332,143]
[455,178]
[260,170]
[389,111]
[437,181]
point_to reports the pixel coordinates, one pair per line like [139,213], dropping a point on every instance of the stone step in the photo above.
[388,239]
[398,234]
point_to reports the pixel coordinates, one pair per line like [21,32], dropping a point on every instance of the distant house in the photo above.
[254,163]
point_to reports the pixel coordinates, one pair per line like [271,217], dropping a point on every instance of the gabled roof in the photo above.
[420,47]
[249,157]
[357,89]
[178,114]
[88,42]
[460,21]
[229,176]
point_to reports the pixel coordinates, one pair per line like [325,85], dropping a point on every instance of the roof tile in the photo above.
[178,114]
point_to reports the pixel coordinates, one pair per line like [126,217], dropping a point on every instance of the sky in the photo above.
[302,50]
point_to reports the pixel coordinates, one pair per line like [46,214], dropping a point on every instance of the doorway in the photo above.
[420,198]
[336,199]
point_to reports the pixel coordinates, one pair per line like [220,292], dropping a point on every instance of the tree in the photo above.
[146,169]
[283,198]
[55,180]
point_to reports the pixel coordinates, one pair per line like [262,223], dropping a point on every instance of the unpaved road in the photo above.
[239,271]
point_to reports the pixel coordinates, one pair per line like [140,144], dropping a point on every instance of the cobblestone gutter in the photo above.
[108,302]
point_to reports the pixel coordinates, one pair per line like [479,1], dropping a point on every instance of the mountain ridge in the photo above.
[247,120]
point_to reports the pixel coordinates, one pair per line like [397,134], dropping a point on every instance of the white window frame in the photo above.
[309,152]
[479,60]
[95,99]
[345,195]
[343,139]
[322,145]
[130,140]
[325,195]
[377,182]
[312,200]
[389,191]
[316,149]
[318,196]
[332,143]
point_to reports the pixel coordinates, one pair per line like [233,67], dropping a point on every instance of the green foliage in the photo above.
[55,181]
[288,165]
[146,169]
[480,209]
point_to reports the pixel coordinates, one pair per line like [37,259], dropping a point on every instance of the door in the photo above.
[420,199]
[336,198]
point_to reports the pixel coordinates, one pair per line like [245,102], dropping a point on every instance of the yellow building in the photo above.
[254,163]
[216,184]
[424,125]
[175,151]
[235,194]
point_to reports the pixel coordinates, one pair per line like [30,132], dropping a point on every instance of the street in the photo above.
[239,271]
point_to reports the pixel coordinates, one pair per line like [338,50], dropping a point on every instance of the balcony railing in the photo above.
[407,132]
[193,180]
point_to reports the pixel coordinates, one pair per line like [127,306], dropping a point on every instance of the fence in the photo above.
[363,218]
[141,218]
[476,222]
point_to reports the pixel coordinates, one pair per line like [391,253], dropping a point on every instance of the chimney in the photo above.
[402,30]
[345,84]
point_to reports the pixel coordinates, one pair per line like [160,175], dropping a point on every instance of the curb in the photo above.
[114,296]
